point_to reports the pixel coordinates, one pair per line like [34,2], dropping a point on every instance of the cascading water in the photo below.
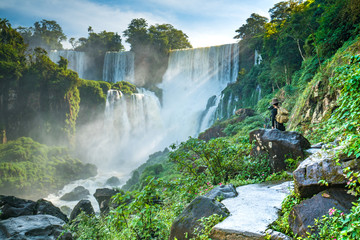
[132,125]
[136,126]
[192,78]
[77,60]
[119,66]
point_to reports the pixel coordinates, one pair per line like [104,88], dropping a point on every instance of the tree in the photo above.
[137,34]
[253,31]
[12,56]
[96,45]
[45,34]
[255,25]
[151,46]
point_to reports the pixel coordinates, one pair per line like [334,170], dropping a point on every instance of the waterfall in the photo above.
[193,76]
[258,91]
[77,60]
[258,58]
[132,126]
[119,66]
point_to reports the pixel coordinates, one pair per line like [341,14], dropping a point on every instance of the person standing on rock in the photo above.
[275,115]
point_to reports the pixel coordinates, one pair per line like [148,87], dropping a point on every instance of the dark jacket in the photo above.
[274,123]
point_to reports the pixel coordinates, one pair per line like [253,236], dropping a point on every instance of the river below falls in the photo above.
[90,184]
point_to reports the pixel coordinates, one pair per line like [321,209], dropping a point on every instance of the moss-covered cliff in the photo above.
[32,170]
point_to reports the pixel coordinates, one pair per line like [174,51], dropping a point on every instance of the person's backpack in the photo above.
[282,115]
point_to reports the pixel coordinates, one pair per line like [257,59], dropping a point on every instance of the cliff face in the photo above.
[44,104]
[319,99]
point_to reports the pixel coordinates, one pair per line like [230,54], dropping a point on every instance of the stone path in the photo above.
[255,207]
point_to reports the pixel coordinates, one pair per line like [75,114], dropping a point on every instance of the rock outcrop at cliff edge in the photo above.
[322,166]
[280,145]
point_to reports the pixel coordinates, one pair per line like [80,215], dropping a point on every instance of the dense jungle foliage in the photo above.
[310,61]
[30,169]
[151,46]
[41,100]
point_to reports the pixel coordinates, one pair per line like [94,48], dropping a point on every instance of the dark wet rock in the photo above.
[222,192]
[34,227]
[66,210]
[113,181]
[245,112]
[44,207]
[280,145]
[213,132]
[82,206]
[14,207]
[322,166]
[187,221]
[103,197]
[76,194]
[217,130]
[303,214]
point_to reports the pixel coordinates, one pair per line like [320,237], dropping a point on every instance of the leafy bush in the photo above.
[139,216]
[30,169]
[206,226]
[282,223]
[338,225]
[216,159]
[124,87]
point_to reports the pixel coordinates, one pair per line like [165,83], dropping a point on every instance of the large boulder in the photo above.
[76,194]
[82,206]
[280,145]
[11,206]
[14,207]
[303,214]
[44,207]
[35,227]
[223,192]
[322,166]
[103,197]
[187,221]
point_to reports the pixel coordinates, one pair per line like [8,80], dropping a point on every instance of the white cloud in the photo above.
[76,16]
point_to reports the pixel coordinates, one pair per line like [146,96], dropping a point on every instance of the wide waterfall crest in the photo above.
[119,66]
[77,60]
[193,76]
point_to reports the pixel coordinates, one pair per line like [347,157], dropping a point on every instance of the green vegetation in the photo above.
[45,34]
[309,64]
[338,225]
[32,170]
[282,223]
[310,51]
[96,45]
[151,46]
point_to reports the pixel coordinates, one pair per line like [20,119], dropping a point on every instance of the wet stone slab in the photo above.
[252,211]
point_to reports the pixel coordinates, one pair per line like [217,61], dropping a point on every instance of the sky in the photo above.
[205,22]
